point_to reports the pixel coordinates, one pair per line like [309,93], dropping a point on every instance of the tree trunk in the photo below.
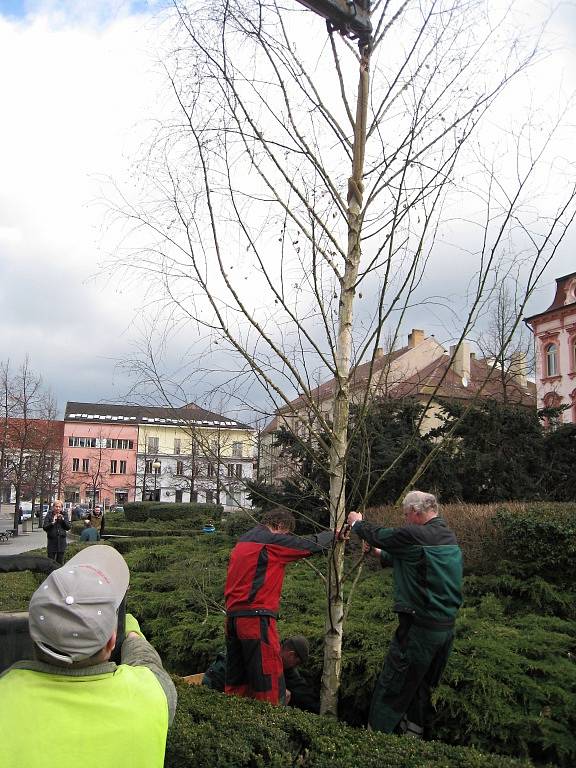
[341,407]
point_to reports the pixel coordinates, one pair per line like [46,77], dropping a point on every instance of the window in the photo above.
[179,467]
[211,469]
[237,449]
[573,353]
[209,497]
[230,470]
[148,468]
[113,467]
[178,497]
[122,467]
[177,445]
[118,444]
[82,442]
[153,445]
[238,470]
[49,463]
[85,465]
[193,497]
[75,465]
[551,360]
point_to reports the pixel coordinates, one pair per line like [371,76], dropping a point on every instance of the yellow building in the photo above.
[189,454]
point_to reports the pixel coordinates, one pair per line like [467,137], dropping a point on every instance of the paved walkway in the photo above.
[23,542]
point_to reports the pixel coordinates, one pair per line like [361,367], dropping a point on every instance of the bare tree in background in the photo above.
[505,340]
[26,404]
[295,200]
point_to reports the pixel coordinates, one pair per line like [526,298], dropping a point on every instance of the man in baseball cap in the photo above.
[73,619]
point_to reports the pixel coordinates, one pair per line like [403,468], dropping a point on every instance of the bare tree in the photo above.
[296,198]
[505,341]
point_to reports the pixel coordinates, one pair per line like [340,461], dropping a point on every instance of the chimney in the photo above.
[415,338]
[379,353]
[518,369]
[461,361]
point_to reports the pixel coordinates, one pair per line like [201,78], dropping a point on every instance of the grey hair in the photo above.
[421,502]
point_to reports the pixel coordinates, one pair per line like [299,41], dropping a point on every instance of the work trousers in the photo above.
[413,666]
[57,556]
[253,662]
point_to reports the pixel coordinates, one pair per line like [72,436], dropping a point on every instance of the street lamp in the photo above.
[349,17]
[156,464]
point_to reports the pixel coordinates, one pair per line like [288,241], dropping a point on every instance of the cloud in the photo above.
[77,104]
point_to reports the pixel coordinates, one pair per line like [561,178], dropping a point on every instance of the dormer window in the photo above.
[551,360]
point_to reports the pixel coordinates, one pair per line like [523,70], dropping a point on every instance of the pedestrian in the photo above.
[293,652]
[427,566]
[89,533]
[73,619]
[56,524]
[97,520]
[252,594]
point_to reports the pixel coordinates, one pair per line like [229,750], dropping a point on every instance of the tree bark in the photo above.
[341,406]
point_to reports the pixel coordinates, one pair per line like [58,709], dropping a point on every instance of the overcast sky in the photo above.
[79,85]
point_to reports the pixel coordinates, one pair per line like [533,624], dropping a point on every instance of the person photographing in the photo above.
[56,525]
[73,620]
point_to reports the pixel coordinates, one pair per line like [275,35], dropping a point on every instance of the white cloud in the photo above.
[74,106]
[77,94]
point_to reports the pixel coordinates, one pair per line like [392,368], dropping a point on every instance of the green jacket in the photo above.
[427,563]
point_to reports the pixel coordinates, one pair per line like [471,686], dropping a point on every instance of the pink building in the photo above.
[98,455]
[555,344]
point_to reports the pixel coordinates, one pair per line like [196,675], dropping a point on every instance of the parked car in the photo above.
[116,508]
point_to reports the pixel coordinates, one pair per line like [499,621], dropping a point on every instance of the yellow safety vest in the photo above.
[113,719]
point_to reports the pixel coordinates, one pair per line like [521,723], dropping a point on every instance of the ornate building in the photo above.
[555,346]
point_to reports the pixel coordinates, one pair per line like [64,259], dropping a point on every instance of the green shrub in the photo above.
[212,730]
[196,514]
[534,544]
[238,523]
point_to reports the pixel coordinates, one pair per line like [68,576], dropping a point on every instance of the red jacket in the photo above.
[256,568]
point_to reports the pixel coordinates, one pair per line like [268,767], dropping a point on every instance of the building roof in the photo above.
[484,382]
[560,298]
[189,415]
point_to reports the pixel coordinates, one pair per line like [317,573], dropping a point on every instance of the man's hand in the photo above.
[368,550]
[343,534]
[354,517]
[288,697]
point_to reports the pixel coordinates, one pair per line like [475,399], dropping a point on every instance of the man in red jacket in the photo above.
[253,589]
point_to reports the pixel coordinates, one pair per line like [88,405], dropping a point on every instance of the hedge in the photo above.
[212,730]
[140,511]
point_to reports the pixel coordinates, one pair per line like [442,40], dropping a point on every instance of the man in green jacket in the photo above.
[427,564]
[293,652]
[73,618]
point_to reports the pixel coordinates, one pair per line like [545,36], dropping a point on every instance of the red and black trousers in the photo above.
[253,662]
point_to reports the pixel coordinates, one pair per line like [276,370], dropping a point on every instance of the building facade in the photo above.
[30,459]
[117,453]
[555,350]
[98,455]
[195,456]
[422,370]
